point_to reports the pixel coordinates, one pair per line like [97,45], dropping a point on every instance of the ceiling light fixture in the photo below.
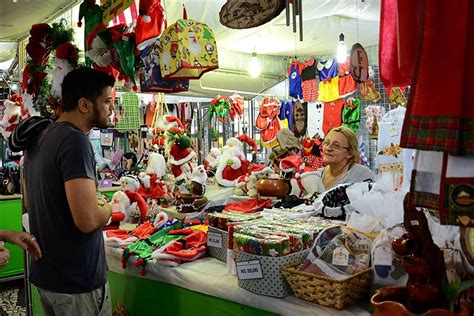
[254,66]
[341,52]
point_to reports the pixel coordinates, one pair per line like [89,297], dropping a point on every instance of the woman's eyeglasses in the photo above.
[334,146]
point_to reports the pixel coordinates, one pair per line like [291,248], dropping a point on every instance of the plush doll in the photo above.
[198,181]
[129,182]
[210,162]
[232,162]
[303,179]
[156,165]
[65,61]
[247,184]
[128,206]
[11,115]
[180,154]
[27,107]
[150,23]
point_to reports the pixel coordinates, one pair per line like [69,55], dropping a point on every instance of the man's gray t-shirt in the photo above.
[73,261]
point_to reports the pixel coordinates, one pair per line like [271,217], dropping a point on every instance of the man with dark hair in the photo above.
[64,213]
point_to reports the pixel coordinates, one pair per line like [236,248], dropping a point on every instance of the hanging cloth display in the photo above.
[129,113]
[328,80]
[309,84]
[351,114]
[150,74]
[445,121]
[295,79]
[300,118]
[347,84]
[268,122]
[187,50]
[236,106]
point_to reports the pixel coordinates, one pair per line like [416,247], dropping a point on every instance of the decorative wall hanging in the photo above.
[187,50]
[359,63]
[237,14]
[299,118]
[268,122]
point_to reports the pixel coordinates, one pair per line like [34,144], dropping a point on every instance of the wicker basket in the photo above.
[327,291]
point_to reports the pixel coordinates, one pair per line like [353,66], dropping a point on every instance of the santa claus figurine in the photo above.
[198,181]
[11,115]
[66,61]
[128,206]
[232,162]
[180,154]
[210,162]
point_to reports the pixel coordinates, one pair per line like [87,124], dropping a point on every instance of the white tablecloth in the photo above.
[209,276]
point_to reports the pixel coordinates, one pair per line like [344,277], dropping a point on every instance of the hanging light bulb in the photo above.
[254,66]
[341,52]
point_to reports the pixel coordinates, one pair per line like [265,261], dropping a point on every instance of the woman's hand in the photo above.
[4,254]
[24,240]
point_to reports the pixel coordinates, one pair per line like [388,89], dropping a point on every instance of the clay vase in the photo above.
[272,187]
[404,245]
[391,300]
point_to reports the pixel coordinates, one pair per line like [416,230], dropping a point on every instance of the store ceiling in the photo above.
[274,42]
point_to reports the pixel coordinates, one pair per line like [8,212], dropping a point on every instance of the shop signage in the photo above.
[214,239]
[248,270]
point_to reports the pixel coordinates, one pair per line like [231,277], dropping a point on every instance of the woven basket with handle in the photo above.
[327,291]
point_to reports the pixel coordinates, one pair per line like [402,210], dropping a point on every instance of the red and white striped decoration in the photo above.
[128,16]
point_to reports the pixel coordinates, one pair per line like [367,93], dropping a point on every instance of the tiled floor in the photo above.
[12,298]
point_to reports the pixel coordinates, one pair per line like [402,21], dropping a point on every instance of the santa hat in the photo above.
[152,189]
[69,52]
[199,175]
[150,23]
[257,169]
[142,206]
[244,139]
[293,164]
[173,119]
[14,99]
[180,155]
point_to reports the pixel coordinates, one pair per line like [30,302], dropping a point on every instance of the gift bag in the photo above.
[150,74]
[187,50]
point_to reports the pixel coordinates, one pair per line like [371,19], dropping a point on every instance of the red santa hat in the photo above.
[245,139]
[173,119]
[292,164]
[141,203]
[67,51]
[150,23]
[180,155]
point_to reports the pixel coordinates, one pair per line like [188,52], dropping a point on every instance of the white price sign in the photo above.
[214,239]
[248,270]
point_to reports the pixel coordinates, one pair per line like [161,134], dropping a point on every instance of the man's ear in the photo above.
[84,105]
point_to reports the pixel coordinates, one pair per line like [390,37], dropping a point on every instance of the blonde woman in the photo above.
[341,156]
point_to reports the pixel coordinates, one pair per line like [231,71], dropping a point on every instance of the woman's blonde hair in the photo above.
[351,139]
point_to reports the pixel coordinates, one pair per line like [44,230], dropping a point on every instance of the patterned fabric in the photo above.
[332,115]
[444,133]
[309,84]
[351,114]
[295,79]
[440,113]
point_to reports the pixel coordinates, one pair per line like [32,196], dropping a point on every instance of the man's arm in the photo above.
[82,199]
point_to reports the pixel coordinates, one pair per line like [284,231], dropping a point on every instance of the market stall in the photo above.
[330,187]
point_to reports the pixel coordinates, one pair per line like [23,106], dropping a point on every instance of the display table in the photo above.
[205,280]
[10,219]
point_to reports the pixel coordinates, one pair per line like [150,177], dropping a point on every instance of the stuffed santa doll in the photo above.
[11,115]
[232,162]
[150,23]
[151,186]
[303,179]
[128,206]
[180,153]
[210,162]
[198,181]
[65,61]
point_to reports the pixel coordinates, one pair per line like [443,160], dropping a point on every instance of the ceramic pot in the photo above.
[390,300]
[189,203]
[272,187]
[404,245]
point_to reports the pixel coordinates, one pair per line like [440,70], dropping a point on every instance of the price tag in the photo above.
[340,256]
[214,239]
[248,270]
[382,257]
